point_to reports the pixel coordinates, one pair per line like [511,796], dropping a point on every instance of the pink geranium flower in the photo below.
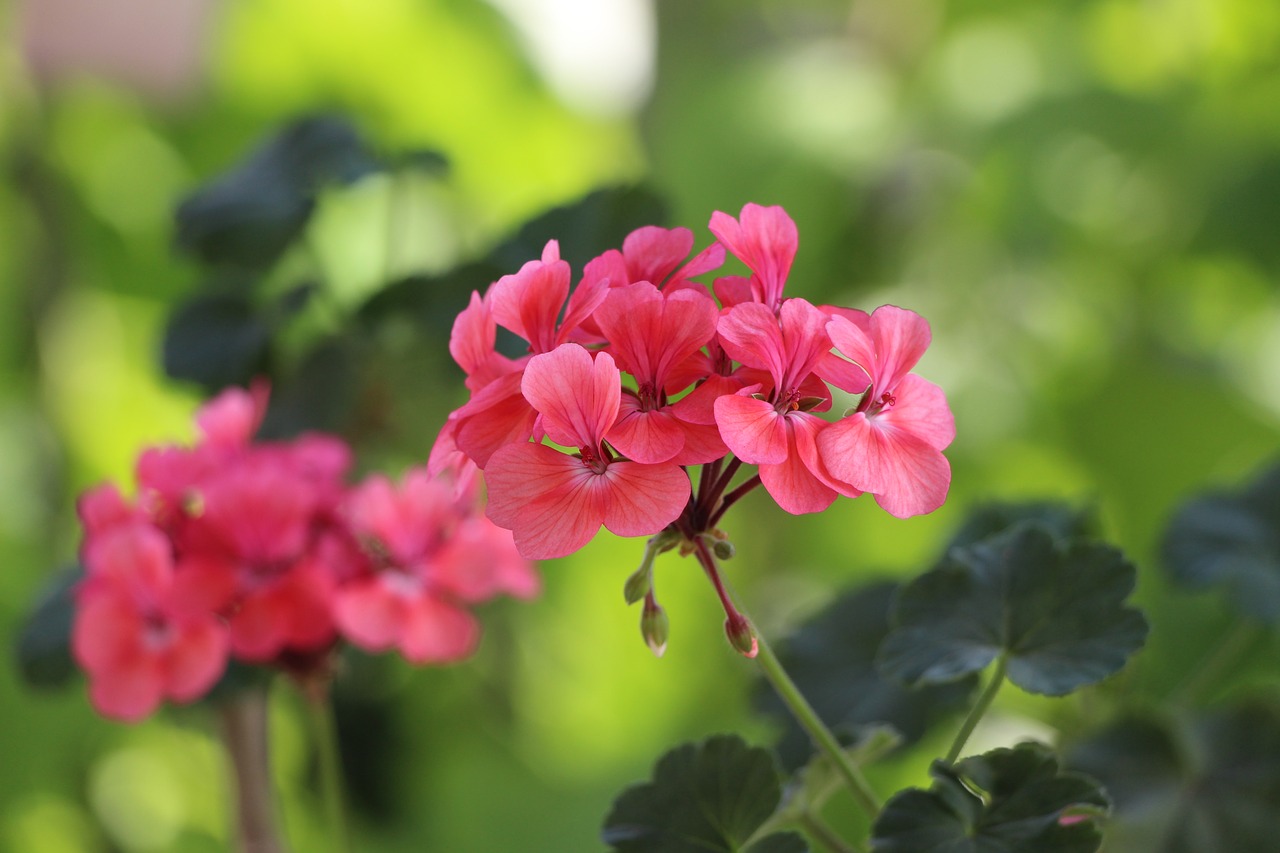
[555,502]
[770,423]
[431,556]
[655,337]
[140,633]
[891,446]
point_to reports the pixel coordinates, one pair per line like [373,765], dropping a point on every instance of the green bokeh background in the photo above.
[1083,196]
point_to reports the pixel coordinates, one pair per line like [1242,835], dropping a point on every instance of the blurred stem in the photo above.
[1211,669]
[809,720]
[324,732]
[244,733]
[977,711]
[820,832]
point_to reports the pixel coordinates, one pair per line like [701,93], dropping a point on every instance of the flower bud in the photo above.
[654,627]
[741,636]
[639,584]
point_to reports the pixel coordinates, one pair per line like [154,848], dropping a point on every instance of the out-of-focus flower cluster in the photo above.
[642,374]
[260,552]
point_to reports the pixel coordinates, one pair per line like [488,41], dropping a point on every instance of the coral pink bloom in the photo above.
[892,445]
[554,502]
[653,336]
[140,637]
[527,303]
[259,525]
[771,426]
[765,239]
[432,556]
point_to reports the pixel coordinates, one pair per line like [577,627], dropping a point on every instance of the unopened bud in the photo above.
[738,629]
[639,584]
[654,627]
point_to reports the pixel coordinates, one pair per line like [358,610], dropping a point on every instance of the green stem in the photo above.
[825,835]
[809,720]
[244,732]
[1211,669]
[975,713]
[325,733]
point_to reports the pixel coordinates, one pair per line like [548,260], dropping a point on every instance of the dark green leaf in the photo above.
[251,214]
[215,340]
[587,228]
[1210,785]
[1004,801]
[320,394]
[1231,540]
[1062,520]
[832,660]
[1055,611]
[704,797]
[44,643]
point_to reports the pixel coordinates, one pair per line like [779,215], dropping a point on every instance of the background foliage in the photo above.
[1080,195]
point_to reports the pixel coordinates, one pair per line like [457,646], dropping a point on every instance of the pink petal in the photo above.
[577,396]
[232,418]
[129,691]
[653,253]
[901,338]
[496,415]
[437,632]
[369,614]
[648,437]
[640,500]
[765,240]
[544,498]
[107,629]
[794,483]
[921,409]
[529,302]
[702,444]
[907,476]
[196,659]
[752,429]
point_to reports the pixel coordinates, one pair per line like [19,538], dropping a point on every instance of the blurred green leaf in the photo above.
[1004,801]
[44,642]
[251,214]
[1060,519]
[1210,785]
[1055,611]
[319,394]
[832,660]
[704,797]
[587,228]
[1231,540]
[215,340]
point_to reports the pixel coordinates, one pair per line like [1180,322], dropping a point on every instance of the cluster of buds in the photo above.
[259,552]
[642,374]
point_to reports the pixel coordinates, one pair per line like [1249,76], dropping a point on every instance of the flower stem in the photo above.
[325,734]
[825,835]
[975,713]
[244,733]
[809,720]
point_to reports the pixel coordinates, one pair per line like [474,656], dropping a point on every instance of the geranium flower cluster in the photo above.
[642,374]
[259,551]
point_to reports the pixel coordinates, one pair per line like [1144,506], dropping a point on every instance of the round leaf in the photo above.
[1231,540]
[44,643]
[1004,801]
[1056,612]
[704,797]
[1210,785]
